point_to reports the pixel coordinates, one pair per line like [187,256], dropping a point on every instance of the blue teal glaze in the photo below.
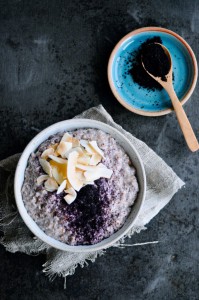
[140,98]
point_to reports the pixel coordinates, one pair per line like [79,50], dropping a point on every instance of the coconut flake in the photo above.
[63,148]
[51,185]
[89,183]
[42,178]
[68,185]
[59,160]
[95,159]
[107,173]
[54,146]
[94,145]
[85,168]
[46,166]
[84,159]
[66,137]
[47,152]
[98,172]
[69,138]
[83,143]
[71,171]
[71,195]
[75,142]
[61,187]
[57,175]
[77,149]
[87,147]
[80,176]
[92,176]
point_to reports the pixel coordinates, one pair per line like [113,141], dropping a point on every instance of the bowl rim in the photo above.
[164,111]
[31,224]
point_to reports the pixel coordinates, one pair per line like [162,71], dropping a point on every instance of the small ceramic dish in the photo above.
[140,100]
[71,125]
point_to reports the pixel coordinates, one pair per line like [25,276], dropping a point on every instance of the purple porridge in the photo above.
[98,211]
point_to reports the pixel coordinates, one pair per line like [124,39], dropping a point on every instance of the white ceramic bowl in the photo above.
[68,126]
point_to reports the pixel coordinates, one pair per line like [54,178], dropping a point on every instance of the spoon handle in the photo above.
[183,121]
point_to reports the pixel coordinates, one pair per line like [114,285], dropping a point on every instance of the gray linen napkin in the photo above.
[162,184]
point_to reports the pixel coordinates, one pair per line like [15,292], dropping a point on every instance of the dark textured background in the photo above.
[53,59]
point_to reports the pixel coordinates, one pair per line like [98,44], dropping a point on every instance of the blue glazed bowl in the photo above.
[143,101]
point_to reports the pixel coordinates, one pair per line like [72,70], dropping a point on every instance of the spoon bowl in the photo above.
[168,76]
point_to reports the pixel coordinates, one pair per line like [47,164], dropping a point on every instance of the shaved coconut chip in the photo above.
[80,176]
[71,195]
[75,142]
[85,168]
[66,137]
[106,173]
[97,173]
[69,185]
[54,146]
[57,176]
[94,145]
[61,168]
[46,166]
[84,152]
[92,176]
[84,159]
[83,149]
[95,159]
[69,138]
[77,149]
[56,153]
[89,183]
[80,150]
[51,185]
[71,171]
[70,191]
[87,147]
[47,152]
[83,143]
[63,148]
[59,160]
[41,178]
[61,187]
[101,165]
[69,198]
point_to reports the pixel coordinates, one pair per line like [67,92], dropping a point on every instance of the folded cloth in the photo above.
[162,184]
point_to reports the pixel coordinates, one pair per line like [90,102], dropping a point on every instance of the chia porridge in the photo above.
[99,209]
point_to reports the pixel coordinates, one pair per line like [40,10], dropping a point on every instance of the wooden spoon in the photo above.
[180,113]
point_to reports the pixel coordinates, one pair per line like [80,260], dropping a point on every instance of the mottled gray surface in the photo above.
[53,59]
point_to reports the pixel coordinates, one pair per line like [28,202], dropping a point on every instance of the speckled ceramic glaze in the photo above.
[141,100]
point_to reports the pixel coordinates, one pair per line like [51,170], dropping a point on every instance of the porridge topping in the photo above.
[70,165]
